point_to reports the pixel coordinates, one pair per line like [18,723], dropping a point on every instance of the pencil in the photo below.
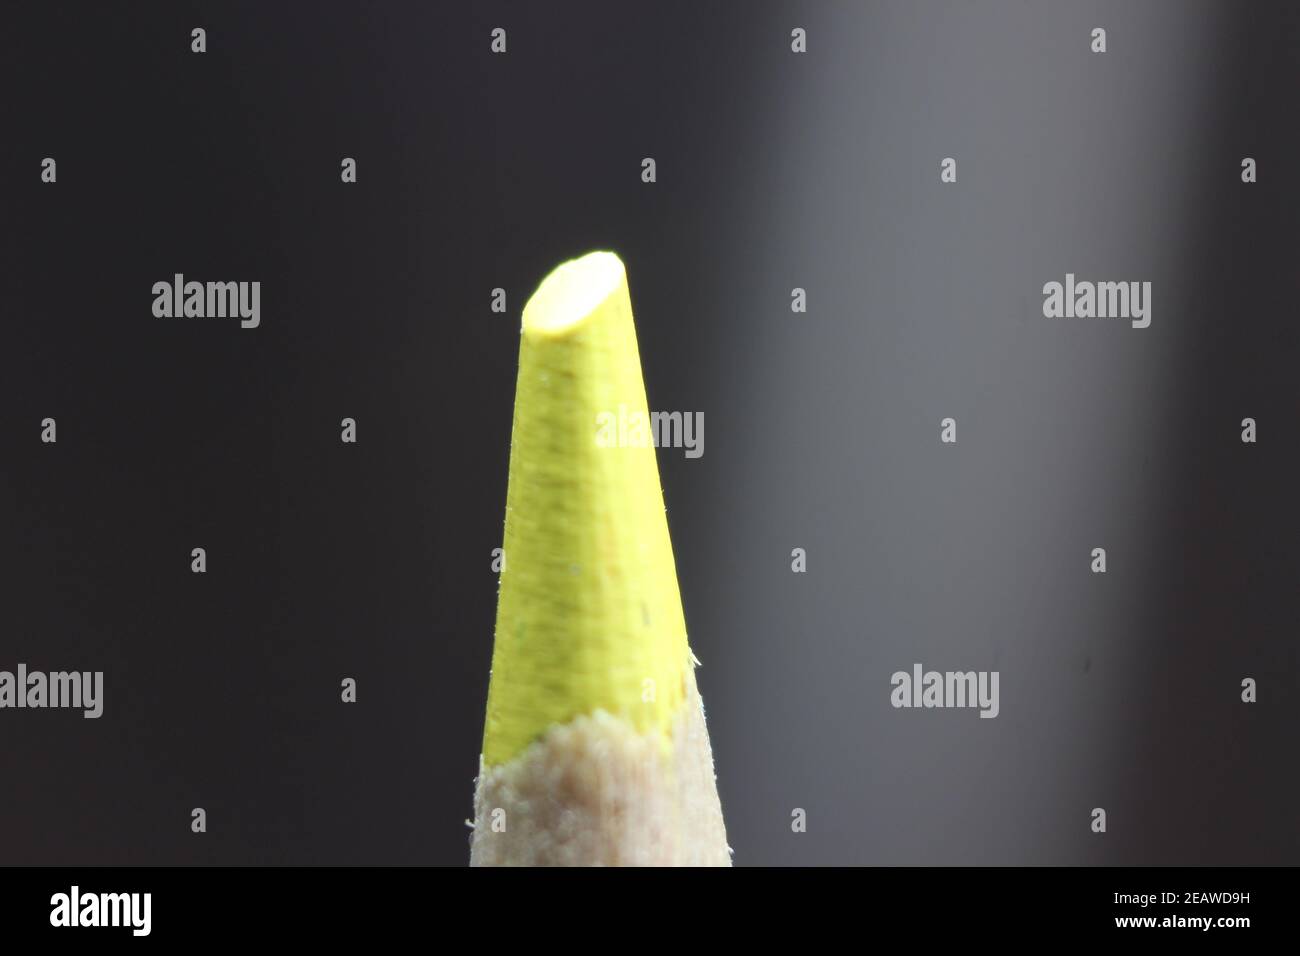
[595,750]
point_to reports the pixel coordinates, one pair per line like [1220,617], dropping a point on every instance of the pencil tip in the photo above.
[572,293]
[589,615]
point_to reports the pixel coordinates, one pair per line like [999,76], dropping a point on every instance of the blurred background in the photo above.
[775,170]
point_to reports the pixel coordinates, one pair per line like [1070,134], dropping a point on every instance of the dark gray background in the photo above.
[775,170]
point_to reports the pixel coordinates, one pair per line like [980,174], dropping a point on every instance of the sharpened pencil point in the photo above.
[594,736]
[589,616]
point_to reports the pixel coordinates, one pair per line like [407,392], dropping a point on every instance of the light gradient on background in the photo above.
[925,302]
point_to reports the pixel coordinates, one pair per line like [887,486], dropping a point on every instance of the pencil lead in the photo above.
[594,732]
